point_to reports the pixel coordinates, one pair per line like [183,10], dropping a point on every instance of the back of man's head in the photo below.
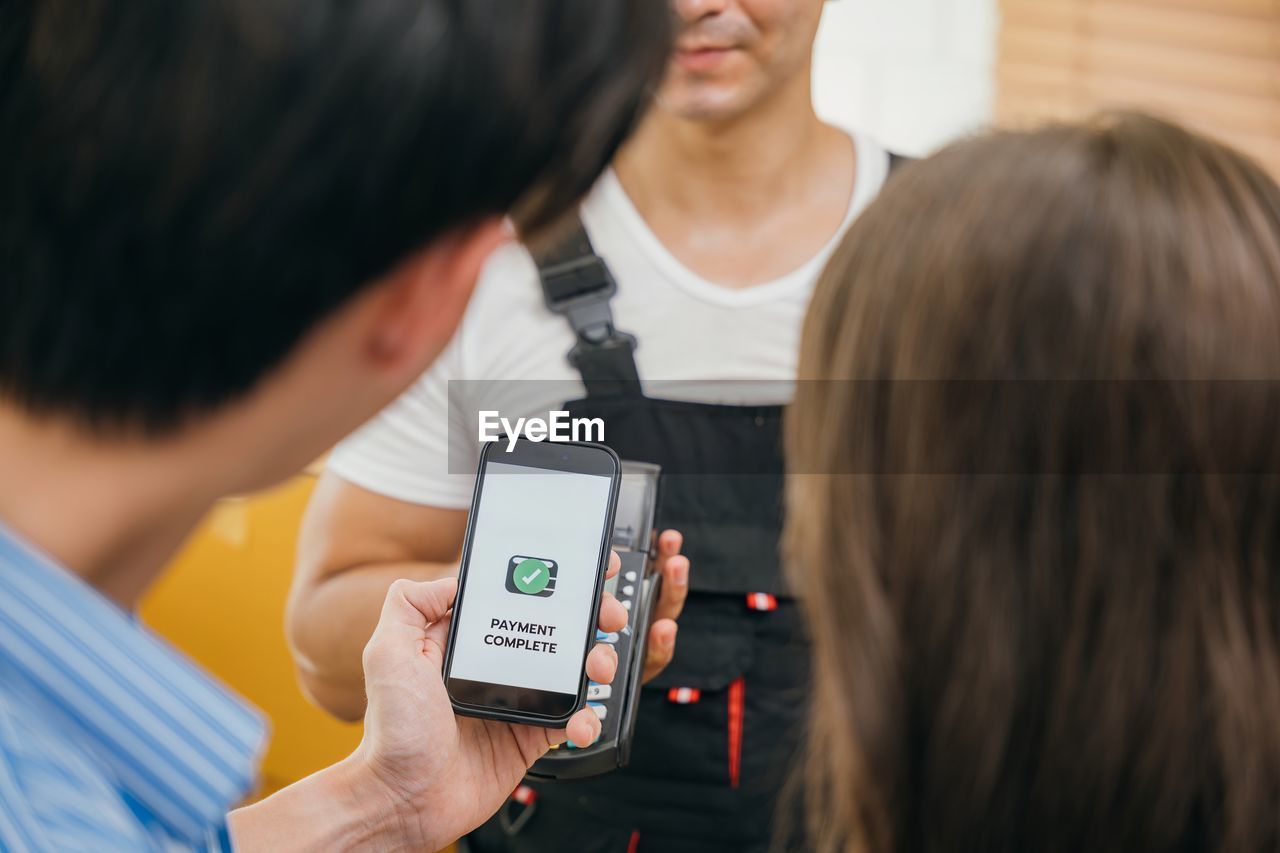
[187,187]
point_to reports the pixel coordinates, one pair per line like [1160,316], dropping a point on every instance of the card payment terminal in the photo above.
[636,586]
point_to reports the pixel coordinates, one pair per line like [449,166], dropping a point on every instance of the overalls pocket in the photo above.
[690,723]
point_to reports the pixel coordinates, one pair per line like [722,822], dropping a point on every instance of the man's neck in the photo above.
[725,169]
[746,201]
[113,512]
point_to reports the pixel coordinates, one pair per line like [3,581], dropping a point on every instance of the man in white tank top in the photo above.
[715,220]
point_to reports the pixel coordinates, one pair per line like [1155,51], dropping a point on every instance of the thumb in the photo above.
[417,604]
[410,611]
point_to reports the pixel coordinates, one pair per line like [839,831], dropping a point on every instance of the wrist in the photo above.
[381,817]
[342,807]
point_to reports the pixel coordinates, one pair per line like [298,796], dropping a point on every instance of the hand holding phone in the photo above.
[439,774]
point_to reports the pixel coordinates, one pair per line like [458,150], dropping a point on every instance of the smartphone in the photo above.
[530,581]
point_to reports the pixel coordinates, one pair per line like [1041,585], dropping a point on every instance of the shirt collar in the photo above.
[177,742]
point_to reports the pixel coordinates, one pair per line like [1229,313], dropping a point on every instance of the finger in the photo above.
[615,564]
[584,728]
[675,588]
[538,740]
[670,542]
[661,648]
[613,616]
[602,664]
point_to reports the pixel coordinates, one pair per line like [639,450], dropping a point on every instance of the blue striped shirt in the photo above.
[109,738]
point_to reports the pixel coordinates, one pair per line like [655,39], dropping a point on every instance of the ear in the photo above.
[424,298]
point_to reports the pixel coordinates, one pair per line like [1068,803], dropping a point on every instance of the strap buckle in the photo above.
[580,290]
[577,284]
[614,342]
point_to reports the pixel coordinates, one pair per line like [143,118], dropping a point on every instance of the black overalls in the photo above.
[719,730]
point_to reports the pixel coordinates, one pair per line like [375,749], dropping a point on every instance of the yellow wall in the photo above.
[222,602]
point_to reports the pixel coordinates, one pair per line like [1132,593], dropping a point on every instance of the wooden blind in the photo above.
[1212,64]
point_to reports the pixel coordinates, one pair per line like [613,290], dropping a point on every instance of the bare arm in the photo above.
[353,544]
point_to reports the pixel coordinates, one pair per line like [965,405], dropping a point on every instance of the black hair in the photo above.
[187,187]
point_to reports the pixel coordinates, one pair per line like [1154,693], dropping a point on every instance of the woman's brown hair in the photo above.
[1034,513]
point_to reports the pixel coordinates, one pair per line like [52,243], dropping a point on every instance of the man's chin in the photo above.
[711,104]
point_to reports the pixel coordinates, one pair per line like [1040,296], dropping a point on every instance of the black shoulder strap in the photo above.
[577,284]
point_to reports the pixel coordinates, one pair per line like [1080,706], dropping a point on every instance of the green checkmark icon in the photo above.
[530,576]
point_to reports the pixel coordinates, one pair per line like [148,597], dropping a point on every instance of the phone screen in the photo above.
[531,577]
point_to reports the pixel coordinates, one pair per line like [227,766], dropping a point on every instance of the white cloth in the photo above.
[690,331]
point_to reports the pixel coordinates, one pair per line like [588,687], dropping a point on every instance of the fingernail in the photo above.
[681,572]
